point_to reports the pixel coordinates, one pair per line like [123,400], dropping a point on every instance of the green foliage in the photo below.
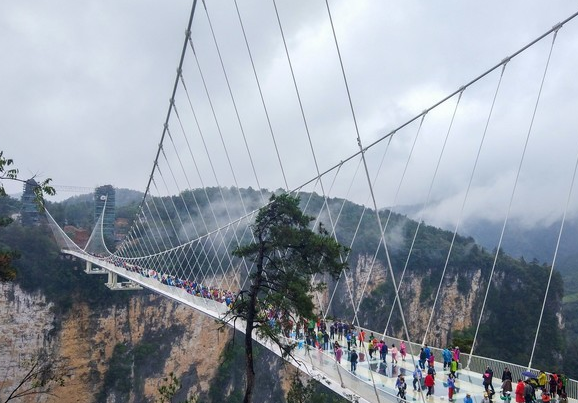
[310,392]
[118,375]
[7,270]
[169,389]
[60,278]
[7,173]
[463,339]
[229,376]
[286,254]
[298,392]
[144,351]
[7,254]
[44,373]
[77,211]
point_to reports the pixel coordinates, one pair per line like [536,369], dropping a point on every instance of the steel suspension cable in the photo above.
[430,191]
[182,224]
[261,95]
[378,247]
[361,149]
[570,191]
[233,101]
[522,158]
[401,181]
[175,86]
[460,215]
[217,224]
[213,248]
[206,259]
[218,126]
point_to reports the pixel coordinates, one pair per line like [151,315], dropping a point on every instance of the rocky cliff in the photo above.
[26,321]
[161,336]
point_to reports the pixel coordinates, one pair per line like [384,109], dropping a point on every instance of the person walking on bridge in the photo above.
[528,392]
[393,354]
[520,392]
[553,384]
[427,351]
[383,351]
[507,374]
[429,383]
[401,386]
[447,357]
[454,368]
[451,387]
[338,352]
[402,350]
[488,377]
[353,360]
[542,379]
[422,358]
[506,388]
[417,377]
[456,354]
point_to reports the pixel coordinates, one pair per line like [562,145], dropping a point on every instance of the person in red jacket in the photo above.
[429,382]
[520,392]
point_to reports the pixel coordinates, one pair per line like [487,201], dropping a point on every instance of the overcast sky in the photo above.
[85,90]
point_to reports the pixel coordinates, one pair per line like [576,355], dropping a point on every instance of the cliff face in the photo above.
[25,327]
[179,339]
[454,310]
[168,330]
[125,352]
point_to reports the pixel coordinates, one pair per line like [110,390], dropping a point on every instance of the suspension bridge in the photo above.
[214,158]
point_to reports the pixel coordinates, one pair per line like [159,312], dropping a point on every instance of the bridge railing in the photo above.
[477,363]
[366,383]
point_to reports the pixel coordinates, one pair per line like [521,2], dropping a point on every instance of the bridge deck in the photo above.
[384,376]
[322,364]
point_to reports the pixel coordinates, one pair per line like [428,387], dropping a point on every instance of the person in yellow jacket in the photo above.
[542,379]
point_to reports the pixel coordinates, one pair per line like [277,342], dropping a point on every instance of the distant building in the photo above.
[29,215]
[105,196]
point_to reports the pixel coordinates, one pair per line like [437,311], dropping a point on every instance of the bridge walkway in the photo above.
[322,365]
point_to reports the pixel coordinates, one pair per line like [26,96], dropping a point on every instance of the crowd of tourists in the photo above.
[550,387]
[340,336]
[191,287]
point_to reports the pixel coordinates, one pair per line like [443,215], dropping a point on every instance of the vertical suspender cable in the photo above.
[261,94]
[464,202]
[522,158]
[175,86]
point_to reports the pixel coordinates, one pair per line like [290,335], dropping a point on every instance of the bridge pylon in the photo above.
[116,285]
[90,269]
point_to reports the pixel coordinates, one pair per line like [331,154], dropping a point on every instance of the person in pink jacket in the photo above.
[431,360]
[402,350]
[338,352]
[393,354]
